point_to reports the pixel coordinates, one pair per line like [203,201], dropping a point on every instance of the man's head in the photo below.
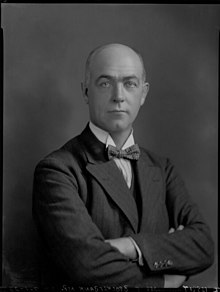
[114,87]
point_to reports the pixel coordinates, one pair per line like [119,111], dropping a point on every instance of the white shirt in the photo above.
[123,164]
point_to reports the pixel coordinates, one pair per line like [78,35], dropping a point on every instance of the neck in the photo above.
[120,138]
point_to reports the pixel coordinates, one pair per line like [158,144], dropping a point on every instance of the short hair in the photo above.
[98,49]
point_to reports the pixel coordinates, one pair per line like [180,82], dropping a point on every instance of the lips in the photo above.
[118,111]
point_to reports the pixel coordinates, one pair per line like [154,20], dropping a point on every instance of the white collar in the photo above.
[106,138]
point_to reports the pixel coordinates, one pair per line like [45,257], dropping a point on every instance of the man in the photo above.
[108,219]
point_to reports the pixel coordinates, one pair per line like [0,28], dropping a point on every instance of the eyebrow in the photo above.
[104,76]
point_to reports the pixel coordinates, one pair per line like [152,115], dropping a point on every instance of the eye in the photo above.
[131,84]
[104,84]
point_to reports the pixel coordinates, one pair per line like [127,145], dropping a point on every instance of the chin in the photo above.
[118,127]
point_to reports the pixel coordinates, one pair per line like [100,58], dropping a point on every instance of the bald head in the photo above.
[104,53]
[114,89]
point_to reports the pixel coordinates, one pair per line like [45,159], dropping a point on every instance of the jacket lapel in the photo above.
[148,176]
[108,175]
[112,181]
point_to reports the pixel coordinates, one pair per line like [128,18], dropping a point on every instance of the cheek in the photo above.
[98,98]
[135,104]
[97,106]
[134,109]
[135,112]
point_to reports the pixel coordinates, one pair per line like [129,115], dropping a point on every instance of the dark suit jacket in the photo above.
[80,199]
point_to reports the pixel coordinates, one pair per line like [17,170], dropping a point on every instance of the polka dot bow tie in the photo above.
[132,152]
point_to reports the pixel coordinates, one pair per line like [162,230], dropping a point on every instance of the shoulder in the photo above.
[167,168]
[153,158]
[70,154]
[165,164]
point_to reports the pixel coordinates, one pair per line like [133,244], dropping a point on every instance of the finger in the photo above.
[180,227]
[171,230]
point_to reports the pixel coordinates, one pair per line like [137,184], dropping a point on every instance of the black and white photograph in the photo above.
[110,145]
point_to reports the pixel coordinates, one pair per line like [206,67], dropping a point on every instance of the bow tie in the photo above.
[132,152]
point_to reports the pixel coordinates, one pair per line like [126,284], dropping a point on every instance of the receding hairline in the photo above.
[98,49]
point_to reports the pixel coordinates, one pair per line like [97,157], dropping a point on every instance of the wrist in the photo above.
[131,249]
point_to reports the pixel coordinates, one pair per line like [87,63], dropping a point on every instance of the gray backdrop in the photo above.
[45,47]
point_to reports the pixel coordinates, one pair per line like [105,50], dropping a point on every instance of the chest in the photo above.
[119,211]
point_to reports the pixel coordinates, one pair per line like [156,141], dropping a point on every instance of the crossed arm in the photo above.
[79,247]
[126,247]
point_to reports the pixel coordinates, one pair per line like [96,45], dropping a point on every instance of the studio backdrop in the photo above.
[45,48]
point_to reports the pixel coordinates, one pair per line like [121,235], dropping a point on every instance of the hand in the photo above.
[179,228]
[173,281]
[125,246]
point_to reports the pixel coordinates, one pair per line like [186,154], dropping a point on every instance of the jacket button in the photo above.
[169,263]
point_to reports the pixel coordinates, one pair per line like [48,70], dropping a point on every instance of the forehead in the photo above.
[116,61]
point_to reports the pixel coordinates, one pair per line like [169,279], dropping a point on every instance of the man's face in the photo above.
[116,89]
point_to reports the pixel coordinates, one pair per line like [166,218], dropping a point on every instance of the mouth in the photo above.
[118,111]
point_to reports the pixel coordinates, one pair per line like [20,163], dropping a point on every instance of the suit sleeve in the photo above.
[186,252]
[71,237]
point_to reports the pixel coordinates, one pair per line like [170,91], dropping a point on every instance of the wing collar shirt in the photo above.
[123,164]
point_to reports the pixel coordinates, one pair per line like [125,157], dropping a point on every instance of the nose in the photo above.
[118,95]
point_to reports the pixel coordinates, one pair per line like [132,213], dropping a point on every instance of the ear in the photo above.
[84,92]
[146,87]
